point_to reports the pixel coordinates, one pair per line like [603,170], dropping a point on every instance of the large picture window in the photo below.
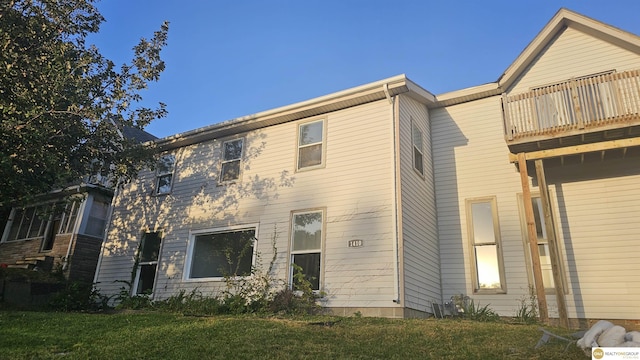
[164,174]
[486,252]
[231,160]
[148,254]
[306,246]
[222,253]
[311,144]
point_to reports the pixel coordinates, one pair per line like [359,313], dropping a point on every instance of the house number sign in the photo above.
[355,243]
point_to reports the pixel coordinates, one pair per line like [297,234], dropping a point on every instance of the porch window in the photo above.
[486,252]
[35,221]
[97,218]
[416,136]
[220,254]
[148,254]
[231,159]
[164,174]
[311,142]
[306,246]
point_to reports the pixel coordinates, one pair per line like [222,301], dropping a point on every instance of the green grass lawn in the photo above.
[151,335]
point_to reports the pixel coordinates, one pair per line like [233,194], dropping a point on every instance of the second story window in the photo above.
[418,162]
[164,174]
[311,144]
[231,158]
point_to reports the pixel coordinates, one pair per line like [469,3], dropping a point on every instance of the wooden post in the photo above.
[533,239]
[553,245]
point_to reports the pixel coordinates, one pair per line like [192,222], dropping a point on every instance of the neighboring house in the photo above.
[392,199]
[63,229]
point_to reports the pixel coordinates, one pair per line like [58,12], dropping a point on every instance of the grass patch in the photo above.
[134,335]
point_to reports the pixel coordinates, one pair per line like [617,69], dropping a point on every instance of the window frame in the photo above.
[223,161]
[186,276]
[541,241]
[140,264]
[322,143]
[414,148]
[320,250]
[62,211]
[159,175]
[492,200]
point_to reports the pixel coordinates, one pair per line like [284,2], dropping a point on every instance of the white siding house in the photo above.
[396,199]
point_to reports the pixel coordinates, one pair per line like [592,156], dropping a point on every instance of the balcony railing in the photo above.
[580,104]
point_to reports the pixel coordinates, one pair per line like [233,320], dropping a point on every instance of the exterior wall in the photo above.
[421,265]
[83,258]
[355,187]
[598,203]
[574,54]
[470,161]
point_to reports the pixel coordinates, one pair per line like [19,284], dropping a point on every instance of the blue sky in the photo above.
[227,59]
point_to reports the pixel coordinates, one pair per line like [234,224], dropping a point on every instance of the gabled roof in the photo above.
[563,19]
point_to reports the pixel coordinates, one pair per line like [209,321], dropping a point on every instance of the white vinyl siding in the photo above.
[358,205]
[574,54]
[420,256]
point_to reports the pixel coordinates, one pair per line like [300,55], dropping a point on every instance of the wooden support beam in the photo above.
[579,149]
[533,239]
[553,245]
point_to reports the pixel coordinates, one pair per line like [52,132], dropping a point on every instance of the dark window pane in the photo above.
[150,247]
[417,156]
[310,156]
[26,221]
[230,171]
[232,150]
[146,278]
[222,254]
[310,264]
[164,184]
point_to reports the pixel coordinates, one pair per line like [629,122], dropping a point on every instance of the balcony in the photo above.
[579,111]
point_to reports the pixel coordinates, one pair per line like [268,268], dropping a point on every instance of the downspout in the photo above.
[396,216]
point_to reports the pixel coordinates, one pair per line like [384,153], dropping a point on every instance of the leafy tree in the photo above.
[63,105]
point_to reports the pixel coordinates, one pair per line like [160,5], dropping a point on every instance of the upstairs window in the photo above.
[231,159]
[97,220]
[311,140]
[164,174]
[416,136]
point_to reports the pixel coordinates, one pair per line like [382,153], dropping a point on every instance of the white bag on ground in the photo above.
[612,337]
[589,338]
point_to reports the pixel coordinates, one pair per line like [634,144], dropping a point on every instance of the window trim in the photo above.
[139,264]
[525,242]
[162,174]
[323,143]
[186,273]
[223,161]
[414,127]
[323,211]
[492,200]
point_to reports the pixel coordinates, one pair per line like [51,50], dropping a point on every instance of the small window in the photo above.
[69,217]
[148,254]
[164,174]
[418,161]
[306,246]
[310,144]
[231,159]
[486,252]
[222,254]
[97,220]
